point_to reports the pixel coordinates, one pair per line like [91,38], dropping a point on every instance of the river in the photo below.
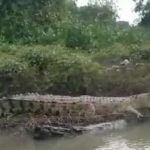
[129,138]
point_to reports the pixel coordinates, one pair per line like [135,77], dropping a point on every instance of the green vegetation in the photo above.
[53,46]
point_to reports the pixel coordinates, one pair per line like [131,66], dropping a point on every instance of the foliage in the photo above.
[144,10]
[45,69]
[53,46]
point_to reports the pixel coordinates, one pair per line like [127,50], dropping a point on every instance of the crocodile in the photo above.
[87,106]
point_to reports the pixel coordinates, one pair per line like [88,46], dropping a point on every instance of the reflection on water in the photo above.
[130,138]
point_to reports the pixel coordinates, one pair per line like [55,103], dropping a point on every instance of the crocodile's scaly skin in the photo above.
[83,105]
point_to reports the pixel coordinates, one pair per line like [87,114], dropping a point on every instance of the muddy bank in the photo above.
[43,127]
[47,131]
[41,132]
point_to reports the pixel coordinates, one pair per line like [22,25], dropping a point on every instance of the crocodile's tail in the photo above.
[47,104]
[12,105]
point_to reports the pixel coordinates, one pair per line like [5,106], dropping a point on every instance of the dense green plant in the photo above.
[53,46]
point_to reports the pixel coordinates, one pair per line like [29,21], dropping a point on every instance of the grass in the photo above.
[60,70]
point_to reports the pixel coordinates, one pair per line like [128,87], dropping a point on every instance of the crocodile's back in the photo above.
[60,105]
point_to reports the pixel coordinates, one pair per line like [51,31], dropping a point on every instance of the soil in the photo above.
[43,127]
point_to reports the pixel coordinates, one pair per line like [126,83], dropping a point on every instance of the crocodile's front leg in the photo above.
[134,111]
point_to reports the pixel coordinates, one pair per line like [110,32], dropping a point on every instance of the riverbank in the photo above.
[130,137]
[41,127]
[45,129]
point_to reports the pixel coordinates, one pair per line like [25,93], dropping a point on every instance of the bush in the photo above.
[71,49]
[57,70]
[46,69]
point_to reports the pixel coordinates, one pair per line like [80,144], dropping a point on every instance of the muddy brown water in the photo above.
[135,137]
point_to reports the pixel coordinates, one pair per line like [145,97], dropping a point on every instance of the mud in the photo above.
[41,127]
